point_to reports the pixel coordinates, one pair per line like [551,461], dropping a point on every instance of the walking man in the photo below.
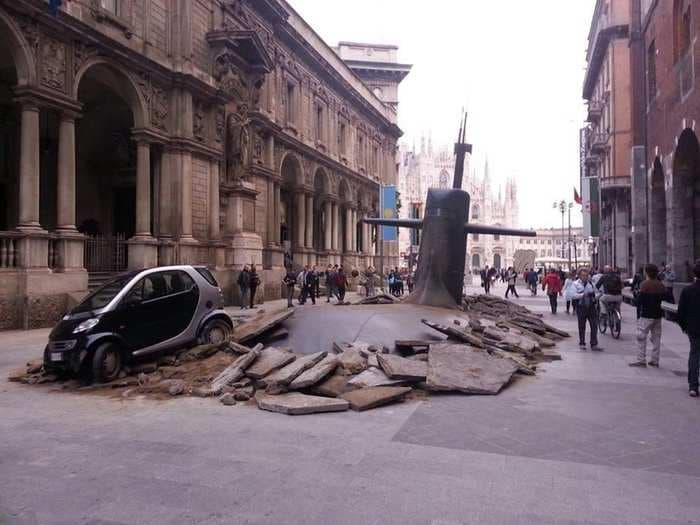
[486,279]
[290,280]
[532,280]
[668,277]
[304,288]
[254,283]
[330,282]
[511,277]
[552,283]
[584,292]
[341,283]
[689,321]
[244,286]
[311,282]
[651,293]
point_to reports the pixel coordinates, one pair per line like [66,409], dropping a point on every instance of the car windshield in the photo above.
[103,295]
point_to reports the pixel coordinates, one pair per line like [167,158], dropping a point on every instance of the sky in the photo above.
[516,66]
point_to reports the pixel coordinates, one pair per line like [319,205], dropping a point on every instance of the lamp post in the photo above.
[563,206]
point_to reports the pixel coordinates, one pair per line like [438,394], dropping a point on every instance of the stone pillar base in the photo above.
[188,248]
[166,252]
[217,255]
[70,248]
[247,249]
[143,253]
[273,257]
[33,249]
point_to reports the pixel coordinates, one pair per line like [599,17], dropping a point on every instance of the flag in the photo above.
[388,198]
[577,197]
[54,6]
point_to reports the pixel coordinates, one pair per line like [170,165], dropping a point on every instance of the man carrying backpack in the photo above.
[611,286]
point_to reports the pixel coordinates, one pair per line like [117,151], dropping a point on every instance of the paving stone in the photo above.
[396,367]
[295,403]
[374,377]
[333,386]
[270,359]
[454,367]
[316,373]
[352,362]
[234,371]
[372,397]
[284,376]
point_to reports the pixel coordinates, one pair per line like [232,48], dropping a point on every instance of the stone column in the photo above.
[29,168]
[66,174]
[353,229]
[186,197]
[309,221]
[270,215]
[328,232]
[348,230]
[143,189]
[301,219]
[214,224]
[365,238]
[336,227]
[165,195]
[278,199]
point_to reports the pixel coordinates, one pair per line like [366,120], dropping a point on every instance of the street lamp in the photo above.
[563,206]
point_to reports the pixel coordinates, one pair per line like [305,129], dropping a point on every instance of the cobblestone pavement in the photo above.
[588,440]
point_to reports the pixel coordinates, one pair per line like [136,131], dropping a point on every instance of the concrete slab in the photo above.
[270,359]
[396,367]
[373,397]
[295,404]
[315,374]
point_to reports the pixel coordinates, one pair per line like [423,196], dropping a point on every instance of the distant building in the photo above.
[429,168]
[551,247]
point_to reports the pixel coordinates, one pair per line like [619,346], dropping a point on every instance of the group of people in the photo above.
[248,282]
[309,280]
[397,279]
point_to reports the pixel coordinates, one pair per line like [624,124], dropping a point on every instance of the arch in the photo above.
[113,75]
[497,261]
[290,170]
[344,192]
[657,213]
[11,38]
[321,182]
[684,232]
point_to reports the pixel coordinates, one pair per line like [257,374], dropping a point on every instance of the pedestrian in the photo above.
[317,283]
[511,278]
[302,278]
[668,277]
[290,280]
[254,283]
[636,284]
[341,283]
[409,282]
[651,294]
[311,284]
[485,279]
[244,286]
[330,282]
[568,287]
[552,284]
[584,293]
[369,281]
[532,281]
[689,321]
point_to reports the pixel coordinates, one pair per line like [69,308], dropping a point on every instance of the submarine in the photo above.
[439,278]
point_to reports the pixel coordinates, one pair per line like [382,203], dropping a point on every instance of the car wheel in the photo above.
[106,363]
[216,331]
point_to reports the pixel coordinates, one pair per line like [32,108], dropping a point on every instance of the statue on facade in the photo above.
[237,145]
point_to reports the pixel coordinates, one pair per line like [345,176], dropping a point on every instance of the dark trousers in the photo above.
[341,294]
[553,302]
[587,314]
[693,362]
[330,291]
[511,289]
[570,305]
[307,291]
[487,285]
[252,295]
[290,295]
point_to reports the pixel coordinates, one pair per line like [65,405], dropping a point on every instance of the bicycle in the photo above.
[612,319]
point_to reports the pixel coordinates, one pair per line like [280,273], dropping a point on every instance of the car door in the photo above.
[140,319]
[180,305]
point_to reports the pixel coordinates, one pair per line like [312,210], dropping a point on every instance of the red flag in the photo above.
[577,197]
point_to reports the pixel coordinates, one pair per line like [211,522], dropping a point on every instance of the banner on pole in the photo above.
[389,212]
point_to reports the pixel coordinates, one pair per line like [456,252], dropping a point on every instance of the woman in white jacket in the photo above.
[568,289]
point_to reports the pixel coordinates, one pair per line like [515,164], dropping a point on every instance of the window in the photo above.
[475,212]
[475,237]
[651,70]
[291,103]
[681,28]
[341,139]
[375,157]
[360,150]
[496,237]
[161,284]
[319,122]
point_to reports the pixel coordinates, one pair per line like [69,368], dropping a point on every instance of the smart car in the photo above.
[135,315]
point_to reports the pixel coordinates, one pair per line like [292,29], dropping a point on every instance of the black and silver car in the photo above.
[135,315]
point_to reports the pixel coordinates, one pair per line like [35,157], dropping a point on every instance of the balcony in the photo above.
[623,182]
[595,110]
[592,159]
[598,141]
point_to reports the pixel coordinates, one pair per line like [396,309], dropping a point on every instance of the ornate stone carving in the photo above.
[237,144]
[53,64]
[30,29]
[81,53]
[258,148]
[156,99]
[198,121]
[219,124]
[230,79]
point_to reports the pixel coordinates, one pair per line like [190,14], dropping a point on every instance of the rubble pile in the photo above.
[486,346]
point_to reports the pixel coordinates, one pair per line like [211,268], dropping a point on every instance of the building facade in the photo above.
[608,136]
[554,246]
[434,168]
[137,133]
[668,202]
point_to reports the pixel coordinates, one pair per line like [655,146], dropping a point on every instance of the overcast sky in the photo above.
[516,65]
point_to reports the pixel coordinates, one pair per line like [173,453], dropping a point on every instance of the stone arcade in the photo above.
[148,132]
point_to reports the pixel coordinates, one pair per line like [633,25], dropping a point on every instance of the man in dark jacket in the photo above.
[244,286]
[311,284]
[689,321]
[290,280]
[330,282]
[651,293]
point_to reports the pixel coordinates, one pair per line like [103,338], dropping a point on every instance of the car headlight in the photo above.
[86,325]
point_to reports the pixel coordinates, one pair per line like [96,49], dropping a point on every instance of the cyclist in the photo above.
[610,285]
